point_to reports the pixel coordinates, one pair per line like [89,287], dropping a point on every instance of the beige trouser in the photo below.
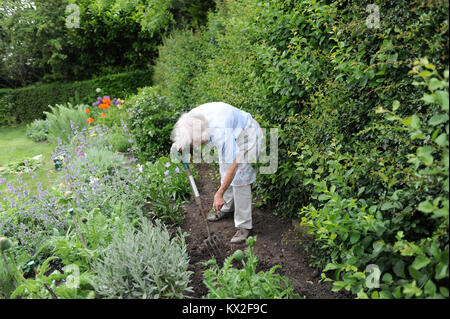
[239,198]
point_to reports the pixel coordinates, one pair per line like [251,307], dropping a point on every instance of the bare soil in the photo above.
[278,243]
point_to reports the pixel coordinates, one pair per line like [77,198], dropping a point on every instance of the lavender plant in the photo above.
[29,218]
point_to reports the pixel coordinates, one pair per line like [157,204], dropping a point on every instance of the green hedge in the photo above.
[370,191]
[29,103]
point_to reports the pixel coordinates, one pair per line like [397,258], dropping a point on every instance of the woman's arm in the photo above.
[229,175]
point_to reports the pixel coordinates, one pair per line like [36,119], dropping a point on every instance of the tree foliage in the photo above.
[41,43]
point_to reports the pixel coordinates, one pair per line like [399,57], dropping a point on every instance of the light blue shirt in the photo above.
[226,123]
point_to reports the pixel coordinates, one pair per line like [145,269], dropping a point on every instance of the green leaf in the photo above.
[442,99]
[338,285]
[441,270]
[420,262]
[417,275]
[412,289]
[442,140]
[399,268]
[415,122]
[395,105]
[444,291]
[438,119]
[387,278]
[323,197]
[425,154]
[425,74]
[428,98]
[430,288]
[354,237]
[426,207]
[387,205]
[435,84]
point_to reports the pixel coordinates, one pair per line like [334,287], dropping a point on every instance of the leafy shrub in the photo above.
[29,218]
[319,73]
[7,115]
[406,234]
[35,100]
[120,142]
[26,165]
[96,162]
[167,186]
[144,263]
[229,282]
[64,121]
[44,284]
[8,275]
[181,57]
[151,122]
[97,177]
[38,130]
[314,88]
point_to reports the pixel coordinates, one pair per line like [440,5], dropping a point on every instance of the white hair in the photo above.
[190,126]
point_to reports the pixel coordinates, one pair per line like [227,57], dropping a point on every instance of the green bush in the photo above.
[229,282]
[30,103]
[406,234]
[120,142]
[151,122]
[319,73]
[181,57]
[143,264]
[38,130]
[95,162]
[7,116]
[64,121]
[167,187]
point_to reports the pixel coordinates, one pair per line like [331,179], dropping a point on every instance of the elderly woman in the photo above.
[237,138]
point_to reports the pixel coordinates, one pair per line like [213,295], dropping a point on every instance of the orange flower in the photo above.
[87,110]
[101,106]
[103,114]
[106,100]
[90,120]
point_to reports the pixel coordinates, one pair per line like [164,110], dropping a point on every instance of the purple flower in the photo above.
[177,170]
[166,172]
[167,164]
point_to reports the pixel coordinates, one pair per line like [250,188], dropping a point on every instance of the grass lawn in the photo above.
[16,146]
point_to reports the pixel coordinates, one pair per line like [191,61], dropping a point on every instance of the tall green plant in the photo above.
[405,236]
[64,121]
[231,282]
